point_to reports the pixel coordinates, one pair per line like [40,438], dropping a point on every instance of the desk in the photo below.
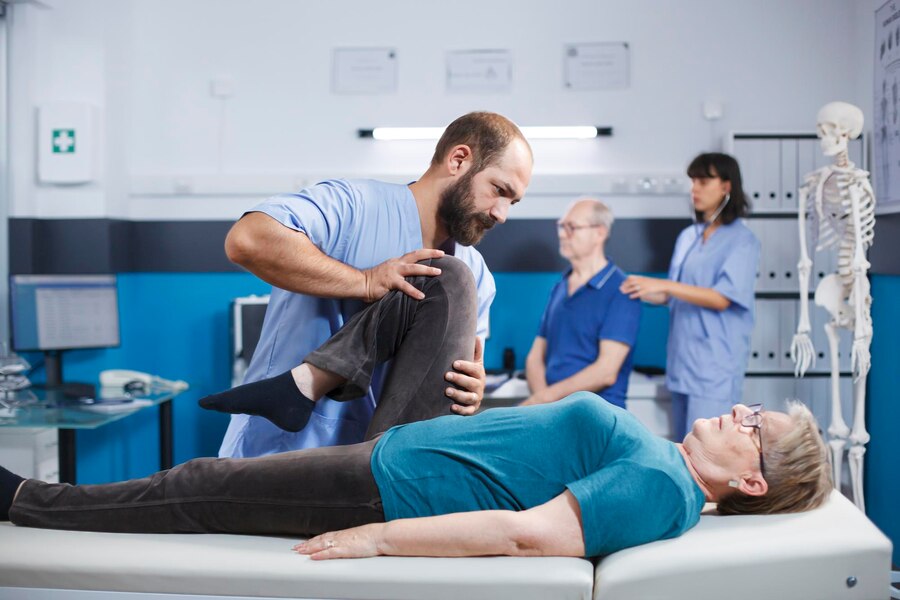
[68,416]
[511,391]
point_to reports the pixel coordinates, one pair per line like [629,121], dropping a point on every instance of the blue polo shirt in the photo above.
[574,325]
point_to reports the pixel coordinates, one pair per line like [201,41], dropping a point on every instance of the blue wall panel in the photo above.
[516,314]
[174,325]
[882,458]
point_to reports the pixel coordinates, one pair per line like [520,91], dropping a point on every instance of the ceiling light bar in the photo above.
[404,133]
[577,132]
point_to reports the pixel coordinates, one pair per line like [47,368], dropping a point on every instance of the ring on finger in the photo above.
[329,544]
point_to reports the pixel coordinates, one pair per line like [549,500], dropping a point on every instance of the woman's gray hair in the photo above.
[797,470]
[600,213]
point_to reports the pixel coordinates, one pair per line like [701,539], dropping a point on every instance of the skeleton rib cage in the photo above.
[829,213]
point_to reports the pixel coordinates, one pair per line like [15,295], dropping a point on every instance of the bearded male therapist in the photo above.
[330,247]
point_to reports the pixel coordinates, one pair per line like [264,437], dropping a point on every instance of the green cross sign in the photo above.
[63,141]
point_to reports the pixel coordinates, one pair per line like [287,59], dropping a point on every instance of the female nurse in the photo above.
[710,292]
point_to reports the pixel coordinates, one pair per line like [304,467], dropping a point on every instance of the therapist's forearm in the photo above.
[289,260]
[699,296]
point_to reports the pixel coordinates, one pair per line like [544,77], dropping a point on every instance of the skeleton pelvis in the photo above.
[830,296]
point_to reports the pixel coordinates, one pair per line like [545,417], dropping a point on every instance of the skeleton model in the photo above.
[837,209]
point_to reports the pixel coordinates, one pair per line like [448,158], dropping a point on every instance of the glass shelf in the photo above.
[53,410]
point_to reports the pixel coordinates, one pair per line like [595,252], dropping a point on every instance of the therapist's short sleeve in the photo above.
[625,504]
[325,212]
[486,287]
[487,291]
[622,320]
[736,279]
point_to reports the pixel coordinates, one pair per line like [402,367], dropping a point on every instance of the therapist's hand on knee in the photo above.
[392,274]
[468,377]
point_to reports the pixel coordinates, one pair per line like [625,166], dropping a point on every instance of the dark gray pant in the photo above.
[305,492]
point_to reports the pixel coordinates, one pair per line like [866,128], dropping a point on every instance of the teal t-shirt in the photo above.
[632,487]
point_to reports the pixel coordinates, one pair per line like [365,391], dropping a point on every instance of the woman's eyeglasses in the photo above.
[755,420]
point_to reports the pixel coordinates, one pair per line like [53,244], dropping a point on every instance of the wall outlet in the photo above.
[713,110]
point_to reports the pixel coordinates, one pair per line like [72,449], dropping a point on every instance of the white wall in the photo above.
[148,65]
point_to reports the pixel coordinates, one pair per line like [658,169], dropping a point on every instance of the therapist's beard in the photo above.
[457,211]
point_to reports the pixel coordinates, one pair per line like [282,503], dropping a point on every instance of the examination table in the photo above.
[833,552]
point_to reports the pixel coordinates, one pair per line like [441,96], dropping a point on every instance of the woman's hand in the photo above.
[648,289]
[357,542]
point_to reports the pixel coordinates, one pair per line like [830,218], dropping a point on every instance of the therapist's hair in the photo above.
[797,470]
[487,134]
[725,167]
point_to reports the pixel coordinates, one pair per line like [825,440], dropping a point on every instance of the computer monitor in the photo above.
[247,316]
[52,313]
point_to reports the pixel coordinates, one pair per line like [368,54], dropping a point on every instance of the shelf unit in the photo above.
[773,166]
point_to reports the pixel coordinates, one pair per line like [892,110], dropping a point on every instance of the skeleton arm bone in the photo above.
[802,352]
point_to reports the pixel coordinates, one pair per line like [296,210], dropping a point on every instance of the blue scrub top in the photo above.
[574,326]
[361,223]
[708,349]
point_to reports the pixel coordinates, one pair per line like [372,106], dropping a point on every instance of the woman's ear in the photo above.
[726,186]
[753,484]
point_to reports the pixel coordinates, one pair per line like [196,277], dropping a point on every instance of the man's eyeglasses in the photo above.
[570,228]
[755,420]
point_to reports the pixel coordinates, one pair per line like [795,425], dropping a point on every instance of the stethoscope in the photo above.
[700,229]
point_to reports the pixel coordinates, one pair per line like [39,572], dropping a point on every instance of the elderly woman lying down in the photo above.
[575,478]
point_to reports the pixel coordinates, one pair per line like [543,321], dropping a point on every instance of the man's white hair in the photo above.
[600,212]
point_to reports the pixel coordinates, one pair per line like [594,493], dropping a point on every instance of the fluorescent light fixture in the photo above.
[577,132]
[407,133]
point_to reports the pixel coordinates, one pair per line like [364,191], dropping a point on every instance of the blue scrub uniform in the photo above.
[574,326]
[361,223]
[708,349]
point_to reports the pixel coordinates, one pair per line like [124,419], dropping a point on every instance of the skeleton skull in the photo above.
[838,123]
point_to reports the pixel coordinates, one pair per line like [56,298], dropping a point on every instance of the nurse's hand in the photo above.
[358,542]
[392,274]
[468,375]
[648,289]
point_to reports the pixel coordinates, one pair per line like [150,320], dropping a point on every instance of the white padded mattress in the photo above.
[800,556]
[232,565]
[808,555]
